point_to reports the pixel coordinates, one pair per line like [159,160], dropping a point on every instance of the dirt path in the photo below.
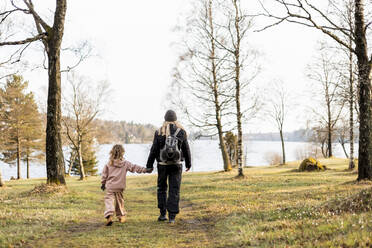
[59,238]
[191,225]
[202,227]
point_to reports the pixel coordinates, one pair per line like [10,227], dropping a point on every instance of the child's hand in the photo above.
[103,187]
[149,170]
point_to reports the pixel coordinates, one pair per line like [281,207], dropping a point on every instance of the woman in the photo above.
[169,148]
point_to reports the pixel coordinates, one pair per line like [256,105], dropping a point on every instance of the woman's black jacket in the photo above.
[159,142]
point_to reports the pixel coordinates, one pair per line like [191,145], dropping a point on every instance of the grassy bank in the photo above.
[272,206]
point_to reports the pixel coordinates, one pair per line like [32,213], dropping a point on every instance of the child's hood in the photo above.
[119,163]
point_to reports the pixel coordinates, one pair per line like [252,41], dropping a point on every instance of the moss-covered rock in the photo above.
[311,164]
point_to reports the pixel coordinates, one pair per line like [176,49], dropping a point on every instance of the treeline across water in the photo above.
[108,132]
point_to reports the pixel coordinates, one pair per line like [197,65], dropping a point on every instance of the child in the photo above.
[114,180]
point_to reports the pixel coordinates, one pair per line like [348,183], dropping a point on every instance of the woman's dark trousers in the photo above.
[171,174]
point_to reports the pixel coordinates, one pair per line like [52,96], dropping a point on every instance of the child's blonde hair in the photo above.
[117,152]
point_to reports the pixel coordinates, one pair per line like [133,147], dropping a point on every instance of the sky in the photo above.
[132,49]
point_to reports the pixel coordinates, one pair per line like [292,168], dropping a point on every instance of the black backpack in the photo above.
[170,153]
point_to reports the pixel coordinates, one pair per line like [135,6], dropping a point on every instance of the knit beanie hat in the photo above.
[170,116]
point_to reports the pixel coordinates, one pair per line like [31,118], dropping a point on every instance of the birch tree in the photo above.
[81,107]
[348,71]
[278,110]
[324,18]
[236,25]
[202,78]
[327,87]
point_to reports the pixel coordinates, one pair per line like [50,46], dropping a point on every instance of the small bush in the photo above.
[311,164]
[273,158]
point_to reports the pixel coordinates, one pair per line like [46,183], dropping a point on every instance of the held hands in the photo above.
[103,187]
[187,169]
[149,170]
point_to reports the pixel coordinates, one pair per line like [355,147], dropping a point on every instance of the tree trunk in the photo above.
[225,156]
[1,180]
[342,142]
[329,124]
[54,154]
[324,153]
[28,165]
[72,159]
[237,91]
[283,148]
[18,159]
[329,141]
[239,147]
[364,69]
[351,107]
[81,165]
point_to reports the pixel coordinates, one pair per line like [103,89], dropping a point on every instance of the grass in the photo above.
[269,207]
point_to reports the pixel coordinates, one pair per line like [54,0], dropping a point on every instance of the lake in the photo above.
[206,156]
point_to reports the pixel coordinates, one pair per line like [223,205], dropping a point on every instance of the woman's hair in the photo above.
[165,129]
[117,152]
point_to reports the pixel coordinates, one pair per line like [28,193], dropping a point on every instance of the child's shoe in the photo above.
[121,219]
[109,220]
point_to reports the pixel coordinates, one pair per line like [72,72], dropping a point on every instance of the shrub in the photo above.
[311,164]
[273,158]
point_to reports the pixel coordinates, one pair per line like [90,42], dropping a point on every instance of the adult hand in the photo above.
[187,169]
[149,170]
[103,187]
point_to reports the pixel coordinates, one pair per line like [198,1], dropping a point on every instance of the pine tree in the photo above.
[88,151]
[20,124]
[90,159]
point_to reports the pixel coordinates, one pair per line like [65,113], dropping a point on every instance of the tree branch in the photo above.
[37,18]
[25,41]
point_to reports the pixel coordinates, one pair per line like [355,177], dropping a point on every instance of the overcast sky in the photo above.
[132,41]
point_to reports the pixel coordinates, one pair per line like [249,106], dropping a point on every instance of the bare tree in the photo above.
[347,67]
[81,108]
[51,37]
[325,20]
[319,137]
[202,78]
[350,11]
[278,109]
[349,92]
[324,73]
[236,26]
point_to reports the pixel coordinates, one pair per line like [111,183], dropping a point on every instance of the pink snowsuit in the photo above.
[114,177]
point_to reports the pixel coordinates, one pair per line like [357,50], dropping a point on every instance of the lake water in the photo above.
[206,156]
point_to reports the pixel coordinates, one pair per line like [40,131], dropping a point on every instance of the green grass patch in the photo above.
[271,206]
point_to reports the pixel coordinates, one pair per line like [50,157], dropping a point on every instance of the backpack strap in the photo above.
[177,131]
